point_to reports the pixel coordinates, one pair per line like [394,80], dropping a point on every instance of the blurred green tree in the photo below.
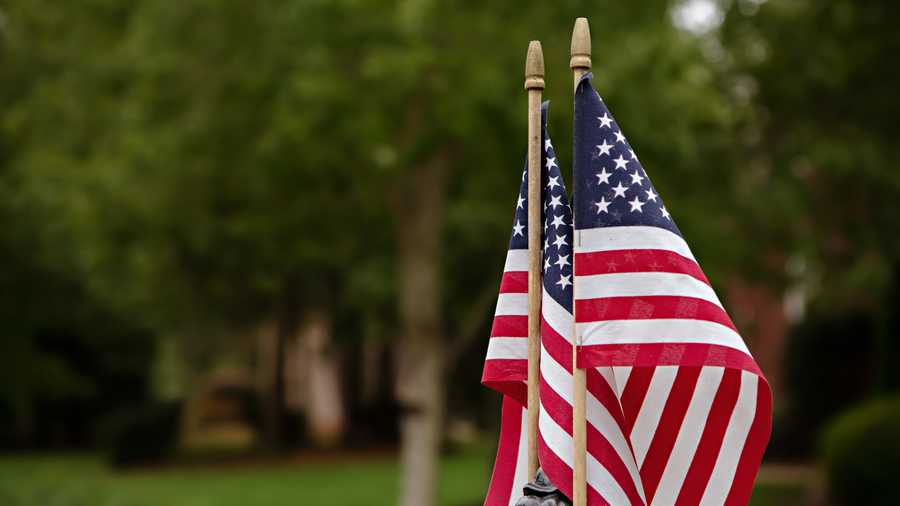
[68,357]
[821,182]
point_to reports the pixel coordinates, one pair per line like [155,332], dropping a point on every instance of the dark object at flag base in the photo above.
[541,492]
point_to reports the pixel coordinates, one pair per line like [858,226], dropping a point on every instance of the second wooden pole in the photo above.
[580,63]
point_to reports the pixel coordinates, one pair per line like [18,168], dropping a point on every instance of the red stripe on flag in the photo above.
[650,307]
[558,408]
[510,326]
[514,282]
[711,440]
[603,392]
[634,393]
[500,489]
[636,260]
[667,430]
[556,345]
[754,448]
[508,377]
[558,471]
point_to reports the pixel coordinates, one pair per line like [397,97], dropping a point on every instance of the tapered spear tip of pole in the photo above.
[581,45]
[534,66]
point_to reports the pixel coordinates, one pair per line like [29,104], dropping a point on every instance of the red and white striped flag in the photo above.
[694,405]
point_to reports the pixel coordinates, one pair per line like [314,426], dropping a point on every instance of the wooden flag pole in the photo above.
[534,83]
[580,63]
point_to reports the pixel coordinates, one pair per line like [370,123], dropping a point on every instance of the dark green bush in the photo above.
[144,434]
[861,454]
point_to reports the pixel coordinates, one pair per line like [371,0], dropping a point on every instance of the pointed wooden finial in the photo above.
[534,66]
[581,45]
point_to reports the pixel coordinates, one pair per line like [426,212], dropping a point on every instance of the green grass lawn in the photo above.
[83,480]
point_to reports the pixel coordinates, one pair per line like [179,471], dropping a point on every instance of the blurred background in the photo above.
[250,250]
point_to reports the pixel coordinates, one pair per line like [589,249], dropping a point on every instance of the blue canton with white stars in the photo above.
[556,215]
[611,187]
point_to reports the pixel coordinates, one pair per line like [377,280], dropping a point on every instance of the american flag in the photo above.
[677,410]
[694,405]
[506,364]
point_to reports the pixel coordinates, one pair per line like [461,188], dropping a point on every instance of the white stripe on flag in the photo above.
[643,284]
[512,304]
[608,375]
[630,237]
[688,435]
[516,260]
[622,374]
[661,330]
[520,478]
[507,348]
[557,316]
[720,480]
[651,411]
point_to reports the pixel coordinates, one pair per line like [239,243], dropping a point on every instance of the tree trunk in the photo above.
[419,367]
[324,400]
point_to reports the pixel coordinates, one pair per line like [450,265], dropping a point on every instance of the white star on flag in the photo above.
[605,120]
[637,178]
[603,176]
[553,182]
[636,204]
[604,148]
